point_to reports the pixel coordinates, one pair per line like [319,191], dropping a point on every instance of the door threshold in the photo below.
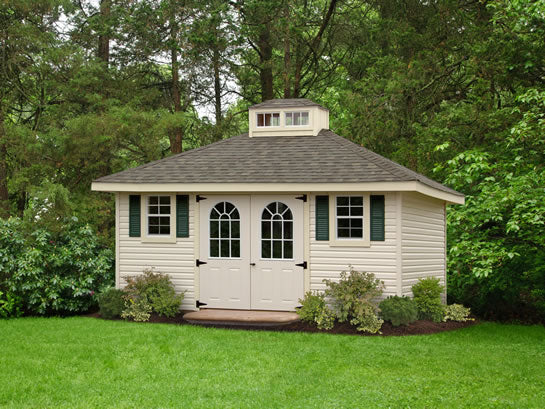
[241,317]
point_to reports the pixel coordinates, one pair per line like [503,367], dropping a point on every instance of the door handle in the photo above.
[252,264]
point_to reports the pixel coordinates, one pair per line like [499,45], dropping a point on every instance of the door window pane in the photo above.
[279,244]
[225,225]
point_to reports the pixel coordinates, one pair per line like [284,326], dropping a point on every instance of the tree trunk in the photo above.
[266,75]
[176,139]
[217,84]
[104,38]
[287,51]
[4,196]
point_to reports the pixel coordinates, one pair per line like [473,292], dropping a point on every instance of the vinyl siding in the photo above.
[175,259]
[422,239]
[380,258]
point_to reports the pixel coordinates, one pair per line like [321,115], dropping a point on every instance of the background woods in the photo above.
[452,89]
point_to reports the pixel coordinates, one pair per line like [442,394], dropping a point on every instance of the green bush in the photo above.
[315,310]
[155,290]
[10,305]
[138,310]
[427,295]
[111,303]
[398,310]
[457,312]
[50,272]
[354,299]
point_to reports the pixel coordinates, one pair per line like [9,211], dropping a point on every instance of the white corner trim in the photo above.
[117,239]
[399,243]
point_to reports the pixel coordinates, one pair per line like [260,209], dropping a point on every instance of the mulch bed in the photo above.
[416,328]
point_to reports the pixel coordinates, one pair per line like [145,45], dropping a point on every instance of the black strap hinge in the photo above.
[303,198]
[303,264]
[200,304]
[199,262]
[199,198]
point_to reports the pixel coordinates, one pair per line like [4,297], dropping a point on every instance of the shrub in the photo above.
[354,299]
[457,312]
[398,310]
[111,303]
[155,290]
[136,309]
[315,310]
[427,295]
[10,305]
[53,272]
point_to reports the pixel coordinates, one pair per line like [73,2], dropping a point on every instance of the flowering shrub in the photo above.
[457,312]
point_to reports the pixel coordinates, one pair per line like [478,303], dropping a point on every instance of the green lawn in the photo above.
[85,362]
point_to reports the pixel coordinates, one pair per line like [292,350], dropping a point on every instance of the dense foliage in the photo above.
[427,296]
[150,292]
[451,89]
[457,312]
[111,303]
[45,272]
[398,310]
[314,310]
[354,299]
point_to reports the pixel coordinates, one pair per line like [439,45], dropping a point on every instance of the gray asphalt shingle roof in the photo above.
[287,103]
[325,158]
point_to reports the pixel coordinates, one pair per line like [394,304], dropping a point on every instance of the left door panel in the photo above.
[224,247]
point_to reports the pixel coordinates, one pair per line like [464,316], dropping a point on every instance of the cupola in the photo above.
[287,117]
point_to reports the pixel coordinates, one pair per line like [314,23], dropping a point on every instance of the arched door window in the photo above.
[224,231]
[276,232]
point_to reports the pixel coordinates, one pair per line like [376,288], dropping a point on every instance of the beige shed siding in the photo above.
[380,258]
[176,259]
[422,239]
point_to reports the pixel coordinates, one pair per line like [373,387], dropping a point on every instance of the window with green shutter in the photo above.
[182,216]
[134,215]
[377,218]
[322,218]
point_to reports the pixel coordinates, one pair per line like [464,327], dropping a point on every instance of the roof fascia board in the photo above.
[409,186]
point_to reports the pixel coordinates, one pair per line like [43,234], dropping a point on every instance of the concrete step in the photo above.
[241,317]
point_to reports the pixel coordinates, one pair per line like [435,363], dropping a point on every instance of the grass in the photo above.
[89,363]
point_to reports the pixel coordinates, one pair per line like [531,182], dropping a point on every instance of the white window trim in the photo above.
[268,126]
[156,238]
[350,242]
[296,126]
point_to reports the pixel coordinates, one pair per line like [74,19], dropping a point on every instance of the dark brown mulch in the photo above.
[416,328]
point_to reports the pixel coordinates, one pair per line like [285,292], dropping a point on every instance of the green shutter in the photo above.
[322,217]
[182,216]
[134,216]
[377,218]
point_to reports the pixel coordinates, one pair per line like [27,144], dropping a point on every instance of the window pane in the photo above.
[277,230]
[276,120]
[343,223]
[265,230]
[235,230]
[153,200]
[228,207]
[356,211]
[214,229]
[164,230]
[164,200]
[214,214]
[343,233]
[260,121]
[224,248]
[277,249]
[153,210]
[356,233]
[282,207]
[214,248]
[266,215]
[235,215]
[153,229]
[288,119]
[272,207]
[304,118]
[343,211]
[164,221]
[164,209]
[224,229]
[267,119]
[235,248]
[297,118]
[220,207]
[288,230]
[342,201]
[288,249]
[356,201]
[265,248]
[153,221]
[287,215]
[357,223]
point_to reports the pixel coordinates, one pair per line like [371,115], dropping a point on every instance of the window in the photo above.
[224,231]
[296,118]
[158,215]
[268,119]
[349,216]
[276,232]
